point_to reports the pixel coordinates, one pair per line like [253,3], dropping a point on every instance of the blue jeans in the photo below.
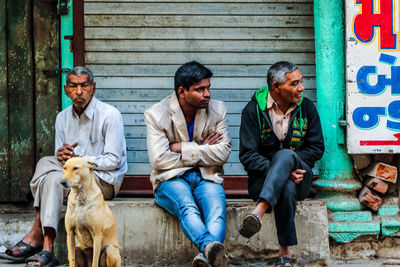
[198,204]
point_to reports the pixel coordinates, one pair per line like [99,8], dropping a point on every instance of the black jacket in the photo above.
[258,142]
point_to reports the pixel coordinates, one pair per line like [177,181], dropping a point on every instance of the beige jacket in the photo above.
[166,124]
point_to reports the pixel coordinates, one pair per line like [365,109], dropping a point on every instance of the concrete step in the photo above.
[149,236]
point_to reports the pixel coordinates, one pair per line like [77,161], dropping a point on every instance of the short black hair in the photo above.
[190,73]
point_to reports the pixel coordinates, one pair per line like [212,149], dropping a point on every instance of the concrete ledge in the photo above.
[148,235]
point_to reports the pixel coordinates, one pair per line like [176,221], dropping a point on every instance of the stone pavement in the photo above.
[372,263]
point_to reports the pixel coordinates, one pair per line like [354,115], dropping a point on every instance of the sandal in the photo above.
[23,250]
[250,226]
[282,262]
[44,258]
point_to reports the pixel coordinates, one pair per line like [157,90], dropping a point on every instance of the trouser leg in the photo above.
[281,193]
[49,194]
[176,197]
[285,210]
[210,198]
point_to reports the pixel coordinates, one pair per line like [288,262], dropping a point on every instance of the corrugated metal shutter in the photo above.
[135,47]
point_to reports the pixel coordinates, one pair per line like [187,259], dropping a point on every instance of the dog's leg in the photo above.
[71,248]
[96,249]
[113,256]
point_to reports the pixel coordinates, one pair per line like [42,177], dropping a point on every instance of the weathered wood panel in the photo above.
[193,8]
[47,90]
[205,58]
[123,33]
[264,46]
[197,21]
[20,94]
[238,70]
[4,146]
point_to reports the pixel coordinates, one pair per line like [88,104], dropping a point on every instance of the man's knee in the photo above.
[285,154]
[53,179]
[45,161]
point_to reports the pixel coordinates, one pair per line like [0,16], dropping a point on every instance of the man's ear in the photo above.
[181,90]
[275,86]
[93,88]
[92,165]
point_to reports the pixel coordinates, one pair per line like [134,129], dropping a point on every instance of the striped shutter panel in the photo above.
[135,47]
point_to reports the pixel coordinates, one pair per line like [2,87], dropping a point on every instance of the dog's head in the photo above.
[77,171]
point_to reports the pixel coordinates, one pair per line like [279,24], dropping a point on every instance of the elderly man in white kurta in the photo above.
[90,129]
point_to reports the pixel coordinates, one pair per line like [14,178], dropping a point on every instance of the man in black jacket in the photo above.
[280,140]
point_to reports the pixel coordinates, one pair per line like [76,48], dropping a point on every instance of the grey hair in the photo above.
[78,71]
[277,72]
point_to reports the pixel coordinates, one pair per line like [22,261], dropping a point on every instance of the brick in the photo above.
[361,161]
[370,199]
[377,184]
[382,171]
[385,158]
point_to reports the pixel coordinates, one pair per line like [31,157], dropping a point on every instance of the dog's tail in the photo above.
[113,258]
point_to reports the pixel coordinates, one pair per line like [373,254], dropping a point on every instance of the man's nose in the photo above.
[79,90]
[207,93]
[301,87]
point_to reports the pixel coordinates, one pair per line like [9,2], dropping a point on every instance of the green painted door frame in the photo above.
[67,56]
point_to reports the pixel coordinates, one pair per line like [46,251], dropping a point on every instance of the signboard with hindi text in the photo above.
[373,76]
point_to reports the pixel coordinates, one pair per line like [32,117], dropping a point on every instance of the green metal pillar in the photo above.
[336,183]
[67,56]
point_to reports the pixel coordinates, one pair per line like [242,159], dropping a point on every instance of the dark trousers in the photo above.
[282,193]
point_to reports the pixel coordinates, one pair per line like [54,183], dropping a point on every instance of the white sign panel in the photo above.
[373,76]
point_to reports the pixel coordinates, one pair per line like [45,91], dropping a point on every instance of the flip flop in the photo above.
[25,250]
[45,258]
[250,226]
[282,262]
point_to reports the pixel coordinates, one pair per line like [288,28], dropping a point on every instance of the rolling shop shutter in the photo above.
[135,47]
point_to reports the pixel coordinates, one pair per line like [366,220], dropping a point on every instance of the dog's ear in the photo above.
[92,165]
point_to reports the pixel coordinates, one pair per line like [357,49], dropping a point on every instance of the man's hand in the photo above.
[66,152]
[297,176]
[213,138]
[175,147]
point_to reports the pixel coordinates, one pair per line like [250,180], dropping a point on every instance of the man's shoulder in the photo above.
[159,109]
[308,105]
